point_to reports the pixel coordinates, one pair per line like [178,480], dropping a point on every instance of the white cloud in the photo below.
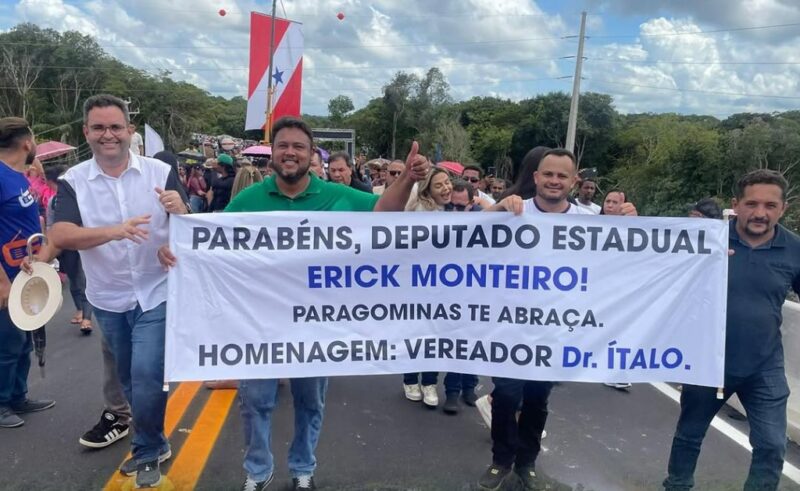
[484,47]
[702,66]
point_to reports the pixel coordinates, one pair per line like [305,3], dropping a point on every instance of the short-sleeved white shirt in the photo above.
[529,206]
[120,273]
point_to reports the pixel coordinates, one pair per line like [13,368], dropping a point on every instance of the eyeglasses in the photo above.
[395,172]
[116,129]
[473,179]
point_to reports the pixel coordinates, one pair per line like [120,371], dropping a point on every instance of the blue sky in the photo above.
[683,56]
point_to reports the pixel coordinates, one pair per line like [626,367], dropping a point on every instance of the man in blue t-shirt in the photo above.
[19,219]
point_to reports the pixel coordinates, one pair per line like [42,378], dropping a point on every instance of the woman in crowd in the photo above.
[69,262]
[222,184]
[247,175]
[183,177]
[523,186]
[612,203]
[196,188]
[433,194]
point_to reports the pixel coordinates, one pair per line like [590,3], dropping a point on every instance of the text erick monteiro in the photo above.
[369,350]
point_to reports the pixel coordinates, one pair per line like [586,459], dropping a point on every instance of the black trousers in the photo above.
[70,264]
[518,441]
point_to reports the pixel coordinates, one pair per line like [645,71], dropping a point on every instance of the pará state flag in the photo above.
[287,69]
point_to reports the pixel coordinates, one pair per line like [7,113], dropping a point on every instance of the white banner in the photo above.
[152,141]
[541,297]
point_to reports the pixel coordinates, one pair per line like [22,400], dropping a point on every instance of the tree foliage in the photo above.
[663,161]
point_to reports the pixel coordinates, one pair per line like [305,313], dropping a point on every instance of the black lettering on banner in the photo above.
[240,237]
[206,355]
[200,235]
[253,357]
[231,354]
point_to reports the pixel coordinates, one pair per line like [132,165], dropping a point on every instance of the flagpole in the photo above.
[270,88]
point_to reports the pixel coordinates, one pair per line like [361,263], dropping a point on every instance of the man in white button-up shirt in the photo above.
[114,209]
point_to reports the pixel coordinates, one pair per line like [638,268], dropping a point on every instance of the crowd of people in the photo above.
[114,210]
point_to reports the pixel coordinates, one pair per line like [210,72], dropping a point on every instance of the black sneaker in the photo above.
[303,482]
[469,397]
[494,477]
[31,406]
[527,476]
[148,474]
[451,403]
[253,485]
[9,419]
[107,431]
[129,467]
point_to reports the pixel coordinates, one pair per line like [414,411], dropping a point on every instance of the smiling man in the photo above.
[516,441]
[294,188]
[764,266]
[114,208]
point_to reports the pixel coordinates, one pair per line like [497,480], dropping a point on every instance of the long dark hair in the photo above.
[524,186]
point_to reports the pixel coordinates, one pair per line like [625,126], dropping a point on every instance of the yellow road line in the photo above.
[187,467]
[177,404]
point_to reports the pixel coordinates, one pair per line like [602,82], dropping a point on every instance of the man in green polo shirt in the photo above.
[764,265]
[293,188]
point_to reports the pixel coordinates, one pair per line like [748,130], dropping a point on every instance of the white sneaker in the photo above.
[430,397]
[485,409]
[619,385]
[413,393]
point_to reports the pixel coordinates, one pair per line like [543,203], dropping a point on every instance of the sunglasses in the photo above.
[395,172]
[473,179]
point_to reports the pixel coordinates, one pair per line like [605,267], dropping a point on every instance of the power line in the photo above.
[325,47]
[699,91]
[669,62]
[58,127]
[711,31]
[327,89]
[305,69]
[405,15]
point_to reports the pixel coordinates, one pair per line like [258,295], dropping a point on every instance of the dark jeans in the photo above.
[136,339]
[428,378]
[764,397]
[15,361]
[518,441]
[455,383]
[70,264]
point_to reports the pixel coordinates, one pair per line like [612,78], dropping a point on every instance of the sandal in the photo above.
[86,327]
[77,318]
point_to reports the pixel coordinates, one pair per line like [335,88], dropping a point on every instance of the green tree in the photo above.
[338,107]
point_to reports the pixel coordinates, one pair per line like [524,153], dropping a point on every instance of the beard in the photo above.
[551,198]
[757,233]
[31,156]
[295,177]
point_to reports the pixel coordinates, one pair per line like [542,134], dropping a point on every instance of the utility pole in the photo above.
[270,88]
[576,89]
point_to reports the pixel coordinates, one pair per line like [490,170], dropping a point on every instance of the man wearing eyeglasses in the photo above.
[393,171]
[114,208]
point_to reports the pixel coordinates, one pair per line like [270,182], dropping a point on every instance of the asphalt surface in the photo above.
[372,439]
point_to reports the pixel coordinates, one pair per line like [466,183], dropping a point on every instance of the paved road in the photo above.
[373,439]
